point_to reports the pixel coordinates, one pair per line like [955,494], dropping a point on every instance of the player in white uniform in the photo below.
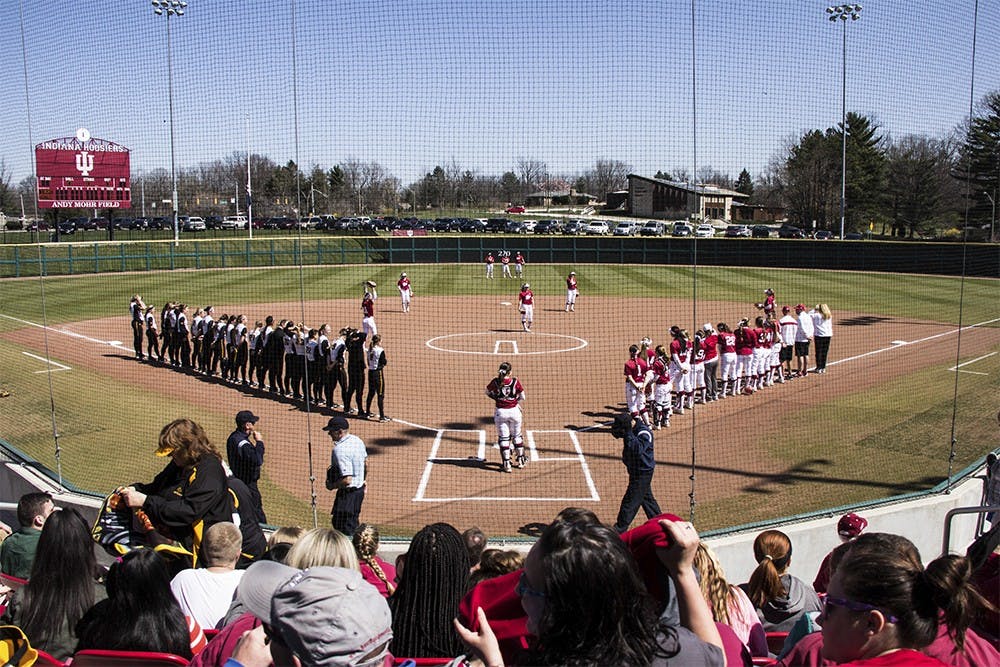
[405,291]
[571,292]
[507,393]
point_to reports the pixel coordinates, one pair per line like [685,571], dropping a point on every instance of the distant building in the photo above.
[757,213]
[559,198]
[657,198]
[616,201]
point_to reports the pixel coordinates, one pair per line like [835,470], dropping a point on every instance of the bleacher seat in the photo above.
[46,660]
[102,658]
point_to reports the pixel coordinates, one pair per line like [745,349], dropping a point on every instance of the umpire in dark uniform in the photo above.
[640,461]
[245,452]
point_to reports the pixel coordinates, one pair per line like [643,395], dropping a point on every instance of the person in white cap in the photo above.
[405,291]
[318,617]
[526,301]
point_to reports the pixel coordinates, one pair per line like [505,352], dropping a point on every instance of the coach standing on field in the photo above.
[245,452]
[346,474]
[640,461]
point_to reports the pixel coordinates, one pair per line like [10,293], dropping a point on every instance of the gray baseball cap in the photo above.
[327,616]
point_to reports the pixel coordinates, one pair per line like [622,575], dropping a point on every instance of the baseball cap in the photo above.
[324,615]
[336,424]
[785,309]
[244,416]
[800,307]
[707,326]
[851,525]
[164,449]
[572,273]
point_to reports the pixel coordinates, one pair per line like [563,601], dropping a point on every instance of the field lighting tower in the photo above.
[169,8]
[843,14]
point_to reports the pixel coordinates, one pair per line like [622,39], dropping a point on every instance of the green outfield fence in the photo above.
[16,261]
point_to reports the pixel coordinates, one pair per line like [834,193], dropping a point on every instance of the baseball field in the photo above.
[909,397]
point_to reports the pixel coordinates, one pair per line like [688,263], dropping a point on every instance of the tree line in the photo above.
[905,186]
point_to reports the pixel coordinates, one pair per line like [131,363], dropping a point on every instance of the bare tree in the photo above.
[6,194]
[607,176]
[533,173]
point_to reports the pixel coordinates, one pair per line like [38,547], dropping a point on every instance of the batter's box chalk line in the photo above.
[530,445]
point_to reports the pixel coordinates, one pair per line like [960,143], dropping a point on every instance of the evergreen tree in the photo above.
[744,183]
[865,172]
[979,162]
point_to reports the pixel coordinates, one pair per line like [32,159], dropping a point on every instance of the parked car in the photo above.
[597,228]
[213,222]
[574,227]
[496,225]
[653,228]
[515,227]
[853,236]
[760,231]
[682,229]
[514,209]
[704,231]
[194,223]
[473,226]
[823,235]
[625,229]
[529,226]
[738,231]
[38,227]
[233,222]
[787,231]
[66,227]
[548,227]
[161,223]
[139,223]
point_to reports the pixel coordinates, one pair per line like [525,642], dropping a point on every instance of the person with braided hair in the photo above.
[431,587]
[376,571]
[780,598]
[507,392]
[729,604]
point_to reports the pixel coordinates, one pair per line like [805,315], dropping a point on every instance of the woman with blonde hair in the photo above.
[322,546]
[190,493]
[729,604]
[778,597]
[376,571]
[823,330]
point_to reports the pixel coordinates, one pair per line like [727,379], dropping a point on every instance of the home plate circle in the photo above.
[506,343]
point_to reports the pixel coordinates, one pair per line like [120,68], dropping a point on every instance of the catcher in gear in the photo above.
[507,392]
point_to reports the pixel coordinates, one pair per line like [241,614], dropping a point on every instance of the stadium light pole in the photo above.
[843,13]
[170,8]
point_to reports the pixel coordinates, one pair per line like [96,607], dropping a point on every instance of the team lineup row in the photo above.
[285,358]
[719,362]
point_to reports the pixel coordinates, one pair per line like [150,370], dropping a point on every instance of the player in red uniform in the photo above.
[405,291]
[526,304]
[680,369]
[727,348]
[489,265]
[767,305]
[635,385]
[368,309]
[711,345]
[505,263]
[519,264]
[745,342]
[761,354]
[571,292]
[662,386]
[507,393]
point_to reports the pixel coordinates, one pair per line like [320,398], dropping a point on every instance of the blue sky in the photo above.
[420,83]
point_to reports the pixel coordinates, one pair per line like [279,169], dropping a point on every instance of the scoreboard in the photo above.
[82,172]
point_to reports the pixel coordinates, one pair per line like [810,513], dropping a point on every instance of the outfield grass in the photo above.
[893,438]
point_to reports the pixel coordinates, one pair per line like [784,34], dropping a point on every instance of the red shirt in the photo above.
[505,260]
[368,305]
[635,370]
[661,372]
[675,349]
[745,341]
[526,297]
[505,392]
[711,346]
[699,353]
[763,337]
[403,284]
[727,342]
[489,258]
[571,282]
[519,259]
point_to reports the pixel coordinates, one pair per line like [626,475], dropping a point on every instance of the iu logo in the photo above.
[84,163]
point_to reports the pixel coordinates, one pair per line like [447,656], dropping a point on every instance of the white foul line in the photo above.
[425,478]
[896,344]
[62,331]
[59,367]
[972,361]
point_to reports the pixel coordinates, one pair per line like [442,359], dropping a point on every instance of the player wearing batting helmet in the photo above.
[507,392]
